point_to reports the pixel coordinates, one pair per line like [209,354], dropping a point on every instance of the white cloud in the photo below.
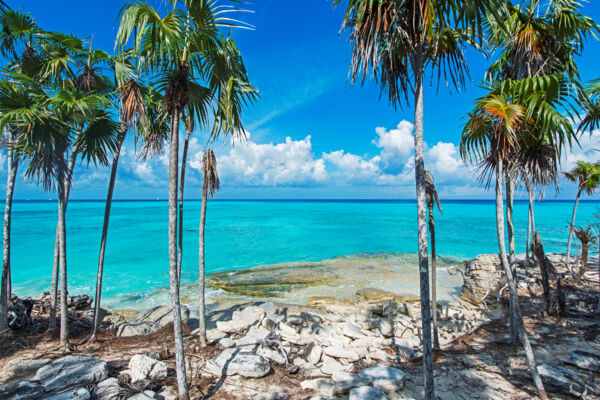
[589,150]
[291,163]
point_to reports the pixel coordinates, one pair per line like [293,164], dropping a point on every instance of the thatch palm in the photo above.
[131,109]
[587,177]
[493,127]
[432,201]
[210,184]
[397,41]
[16,44]
[174,49]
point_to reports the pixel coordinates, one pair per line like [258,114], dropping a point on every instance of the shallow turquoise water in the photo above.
[242,234]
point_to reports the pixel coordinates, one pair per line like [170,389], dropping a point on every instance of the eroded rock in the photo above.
[71,371]
[142,367]
[239,362]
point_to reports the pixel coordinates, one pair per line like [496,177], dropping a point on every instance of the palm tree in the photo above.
[16,40]
[432,197]
[210,184]
[397,41]
[173,49]
[587,176]
[492,131]
[131,109]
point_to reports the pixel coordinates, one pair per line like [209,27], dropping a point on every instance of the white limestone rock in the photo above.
[142,367]
[239,362]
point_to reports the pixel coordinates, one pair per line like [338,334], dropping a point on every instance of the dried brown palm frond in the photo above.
[131,103]
[431,192]
[211,181]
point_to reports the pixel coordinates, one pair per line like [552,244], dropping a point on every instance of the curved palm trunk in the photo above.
[188,133]
[107,207]
[572,226]
[55,265]
[173,278]
[422,227]
[436,339]
[62,242]
[512,287]
[201,306]
[5,289]
[511,249]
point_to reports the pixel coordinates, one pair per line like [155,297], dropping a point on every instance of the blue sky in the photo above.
[312,133]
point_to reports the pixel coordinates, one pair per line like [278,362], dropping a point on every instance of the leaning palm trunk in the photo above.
[55,265]
[422,226]
[173,278]
[511,248]
[512,287]
[5,289]
[107,207]
[188,132]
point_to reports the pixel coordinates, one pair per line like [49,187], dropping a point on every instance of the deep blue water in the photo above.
[242,234]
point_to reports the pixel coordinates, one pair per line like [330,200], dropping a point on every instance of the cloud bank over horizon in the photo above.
[292,168]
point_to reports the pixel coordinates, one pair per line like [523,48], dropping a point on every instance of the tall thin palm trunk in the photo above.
[201,305]
[436,339]
[422,227]
[52,326]
[188,133]
[173,278]
[572,226]
[511,248]
[62,240]
[530,223]
[107,207]
[5,284]
[512,287]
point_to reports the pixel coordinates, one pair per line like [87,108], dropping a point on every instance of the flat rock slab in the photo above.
[375,295]
[138,328]
[19,369]
[71,371]
[560,378]
[388,379]
[585,360]
[239,362]
[21,390]
[367,393]
[162,315]
[79,393]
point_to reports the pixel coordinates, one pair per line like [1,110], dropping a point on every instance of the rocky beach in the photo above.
[348,343]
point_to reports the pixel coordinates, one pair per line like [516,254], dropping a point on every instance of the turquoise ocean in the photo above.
[244,234]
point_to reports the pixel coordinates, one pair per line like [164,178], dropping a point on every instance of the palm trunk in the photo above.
[188,132]
[5,284]
[511,248]
[62,241]
[512,287]
[422,227]
[436,339]
[201,306]
[529,217]
[55,265]
[572,226]
[109,196]
[173,278]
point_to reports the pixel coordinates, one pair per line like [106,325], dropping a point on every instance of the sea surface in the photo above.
[244,234]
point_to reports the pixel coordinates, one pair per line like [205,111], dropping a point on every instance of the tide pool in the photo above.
[243,234]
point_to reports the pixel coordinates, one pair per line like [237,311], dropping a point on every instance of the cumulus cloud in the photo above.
[291,163]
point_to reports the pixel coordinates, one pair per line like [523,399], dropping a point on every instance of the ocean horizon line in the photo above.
[390,201]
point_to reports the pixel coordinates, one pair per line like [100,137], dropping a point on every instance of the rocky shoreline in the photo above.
[363,347]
